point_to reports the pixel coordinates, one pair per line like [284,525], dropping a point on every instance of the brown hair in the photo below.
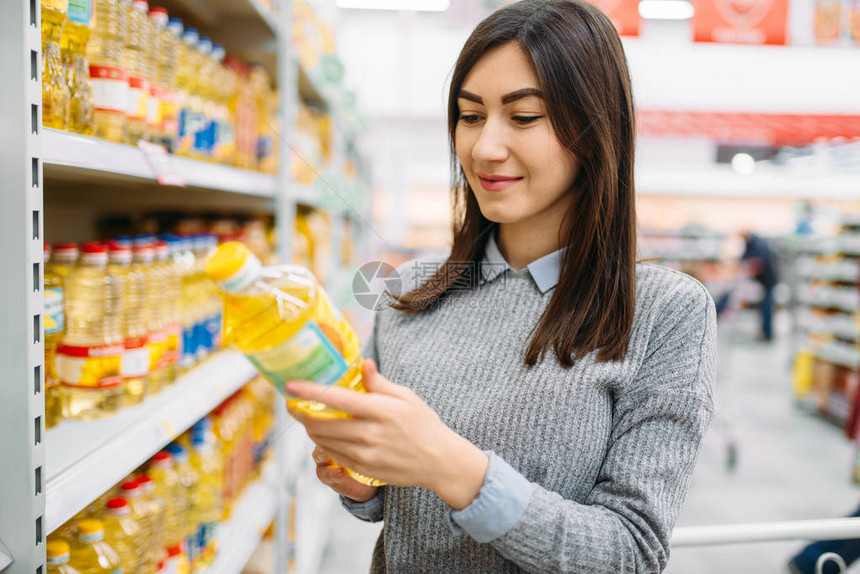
[580,64]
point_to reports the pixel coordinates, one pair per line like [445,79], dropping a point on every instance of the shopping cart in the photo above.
[806,530]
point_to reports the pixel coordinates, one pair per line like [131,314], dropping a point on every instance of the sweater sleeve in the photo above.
[625,524]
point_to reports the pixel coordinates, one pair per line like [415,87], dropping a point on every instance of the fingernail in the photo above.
[291,387]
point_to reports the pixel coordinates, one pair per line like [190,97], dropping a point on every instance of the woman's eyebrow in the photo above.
[506,99]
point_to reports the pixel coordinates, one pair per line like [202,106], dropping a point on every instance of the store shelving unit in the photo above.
[49,476]
[85,458]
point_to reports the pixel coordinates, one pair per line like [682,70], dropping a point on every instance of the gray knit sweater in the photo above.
[609,448]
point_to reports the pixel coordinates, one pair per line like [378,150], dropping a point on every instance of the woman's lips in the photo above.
[497,183]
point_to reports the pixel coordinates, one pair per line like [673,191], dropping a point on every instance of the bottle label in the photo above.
[109,89]
[202,138]
[80,12]
[138,99]
[307,356]
[189,348]
[213,331]
[190,123]
[135,358]
[203,543]
[156,343]
[153,107]
[54,320]
[173,344]
[96,367]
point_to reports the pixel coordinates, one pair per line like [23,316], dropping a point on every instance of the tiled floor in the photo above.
[791,466]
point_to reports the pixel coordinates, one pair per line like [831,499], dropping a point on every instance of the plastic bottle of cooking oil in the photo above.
[210,299]
[54,326]
[88,358]
[190,112]
[224,143]
[150,318]
[134,60]
[147,517]
[124,534]
[171,291]
[73,46]
[55,92]
[156,305]
[91,554]
[108,76]
[157,45]
[244,115]
[208,496]
[155,510]
[267,125]
[189,303]
[134,366]
[189,481]
[168,487]
[223,433]
[283,321]
[201,145]
[168,69]
[57,557]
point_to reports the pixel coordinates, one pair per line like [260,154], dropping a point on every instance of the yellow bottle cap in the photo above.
[86,527]
[56,548]
[226,261]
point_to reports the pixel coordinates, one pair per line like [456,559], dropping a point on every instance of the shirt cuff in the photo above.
[500,503]
[372,510]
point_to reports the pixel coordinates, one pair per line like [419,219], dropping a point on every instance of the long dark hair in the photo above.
[580,64]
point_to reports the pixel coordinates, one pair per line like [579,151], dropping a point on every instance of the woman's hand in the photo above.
[393,436]
[335,477]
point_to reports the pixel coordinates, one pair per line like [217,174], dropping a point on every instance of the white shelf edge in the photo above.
[68,150]
[270,18]
[95,455]
[242,533]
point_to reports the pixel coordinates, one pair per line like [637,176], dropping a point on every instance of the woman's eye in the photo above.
[524,120]
[470,118]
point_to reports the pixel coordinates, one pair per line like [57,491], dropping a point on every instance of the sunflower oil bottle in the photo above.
[109,79]
[155,509]
[134,366]
[283,321]
[244,116]
[201,144]
[153,100]
[54,327]
[212,322]
[89,356]
[57,555]
[265,103]
[208,497]
[156,305]
[171,292]
[73,46]
[55,92]
[134,60]
[189,481]
[124,534]
[168,487]
[147,517]
[162,46]
[222,86]
[191,118]
[90,554]
[149,320]
[190,309]
[224,434]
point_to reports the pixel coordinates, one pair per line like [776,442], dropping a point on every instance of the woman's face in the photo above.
[507,147]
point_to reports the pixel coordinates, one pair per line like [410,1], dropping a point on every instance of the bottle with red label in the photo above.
[88,357]
[108,77]
[151,255]
[136,361]
[134,59]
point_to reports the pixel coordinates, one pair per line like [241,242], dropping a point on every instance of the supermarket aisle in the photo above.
[791,466]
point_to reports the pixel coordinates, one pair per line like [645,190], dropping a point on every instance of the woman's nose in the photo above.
[490,146]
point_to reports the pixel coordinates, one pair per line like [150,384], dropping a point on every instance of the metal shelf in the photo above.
[85,458]
[252,514]
[72,157]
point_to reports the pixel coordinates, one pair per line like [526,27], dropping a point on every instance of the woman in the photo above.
[542,411]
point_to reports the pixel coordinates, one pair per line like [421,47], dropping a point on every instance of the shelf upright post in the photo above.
[285,212]
[22,404]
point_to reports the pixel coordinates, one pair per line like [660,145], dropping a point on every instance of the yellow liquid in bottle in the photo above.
[90,554]
[207,503]
[55,92]
[134,60]
[73,45]
[88,359]
[54,327]
[150,511]
[134,365]
[109,80]
[283,321]
[57,557]
[124,534]
[169,488]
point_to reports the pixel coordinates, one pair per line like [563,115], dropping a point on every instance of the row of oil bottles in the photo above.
[165,516]
[126,72]
[123,319]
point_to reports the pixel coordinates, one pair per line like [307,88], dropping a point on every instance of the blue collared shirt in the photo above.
[505,493]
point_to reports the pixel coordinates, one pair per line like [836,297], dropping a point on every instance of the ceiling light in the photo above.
[666,9]
[417,5]
[743,163]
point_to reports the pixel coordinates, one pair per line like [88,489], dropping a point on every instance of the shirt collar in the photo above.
[544,271]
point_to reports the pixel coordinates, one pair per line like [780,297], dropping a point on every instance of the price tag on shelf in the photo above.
[161,164]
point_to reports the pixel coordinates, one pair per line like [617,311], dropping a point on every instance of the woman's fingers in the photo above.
[339,398]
